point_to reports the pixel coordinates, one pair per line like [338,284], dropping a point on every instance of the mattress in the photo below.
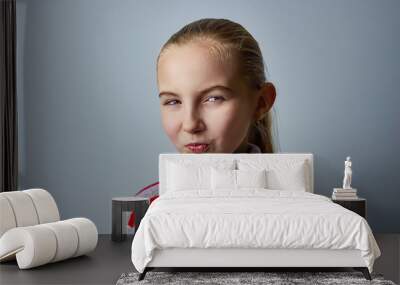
[250,219]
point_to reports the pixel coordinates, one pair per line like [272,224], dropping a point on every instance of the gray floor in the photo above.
[111,259]
[103,266]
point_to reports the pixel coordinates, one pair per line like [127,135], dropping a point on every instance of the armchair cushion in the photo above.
[45,243]
[31,231]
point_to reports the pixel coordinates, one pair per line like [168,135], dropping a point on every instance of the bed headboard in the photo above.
[164,157]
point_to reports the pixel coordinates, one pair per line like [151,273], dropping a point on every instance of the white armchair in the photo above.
[32,233]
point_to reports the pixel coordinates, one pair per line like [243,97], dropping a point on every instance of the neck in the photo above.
[243,148]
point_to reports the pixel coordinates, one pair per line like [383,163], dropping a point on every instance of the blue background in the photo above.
[89,121]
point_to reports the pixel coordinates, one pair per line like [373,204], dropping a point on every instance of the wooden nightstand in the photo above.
[358,205]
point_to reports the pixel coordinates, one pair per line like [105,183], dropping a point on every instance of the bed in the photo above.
[247,210]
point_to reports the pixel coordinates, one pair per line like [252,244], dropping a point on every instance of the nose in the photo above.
[192,121]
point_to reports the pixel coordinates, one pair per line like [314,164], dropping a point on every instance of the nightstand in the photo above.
[120,205]
[357,205]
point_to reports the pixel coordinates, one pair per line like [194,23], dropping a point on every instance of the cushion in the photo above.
[51,242]
[30,230]
[236,179]
[251,178]
[45,205]
[223,179]
[281,174]
[26,208]
[188,175]
[289,179]
[7,220]
[23,208]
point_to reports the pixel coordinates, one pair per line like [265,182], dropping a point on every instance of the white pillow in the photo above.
[251,178]
[188,175]
[228,179]
[281,174]
[289,179]
[223,179]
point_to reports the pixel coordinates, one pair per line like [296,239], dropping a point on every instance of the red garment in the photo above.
[153,198]
[131,222]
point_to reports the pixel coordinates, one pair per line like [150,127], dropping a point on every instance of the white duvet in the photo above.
[253,218]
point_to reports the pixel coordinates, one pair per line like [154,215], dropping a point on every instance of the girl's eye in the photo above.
[209,99]
[215,98]
[169,102]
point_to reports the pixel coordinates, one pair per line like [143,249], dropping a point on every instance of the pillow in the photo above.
[289,179]
[237,179]
[288,174]
[188,175]
[251,178]
[223,179]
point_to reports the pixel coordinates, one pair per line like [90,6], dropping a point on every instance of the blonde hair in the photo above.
[227,38]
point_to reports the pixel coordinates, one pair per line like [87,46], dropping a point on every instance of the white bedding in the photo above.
[250,218]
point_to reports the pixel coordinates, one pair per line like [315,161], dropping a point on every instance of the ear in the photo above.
[266,98]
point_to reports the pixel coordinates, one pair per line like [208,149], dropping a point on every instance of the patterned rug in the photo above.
[230,278]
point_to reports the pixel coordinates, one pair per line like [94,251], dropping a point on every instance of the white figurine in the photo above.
[347,174]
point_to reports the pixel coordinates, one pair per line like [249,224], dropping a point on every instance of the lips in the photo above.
[197,147]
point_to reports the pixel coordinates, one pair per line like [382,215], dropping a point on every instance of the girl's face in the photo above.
[203,101]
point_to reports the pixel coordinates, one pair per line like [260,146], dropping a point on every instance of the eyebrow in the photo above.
[209,89]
